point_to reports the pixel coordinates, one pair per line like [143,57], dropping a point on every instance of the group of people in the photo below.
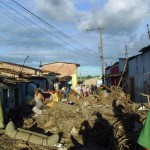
[86,90]
[40,101]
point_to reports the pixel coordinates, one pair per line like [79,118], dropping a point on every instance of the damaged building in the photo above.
[136,76]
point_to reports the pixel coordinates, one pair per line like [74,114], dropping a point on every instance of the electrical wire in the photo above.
[48,24]
[35,28]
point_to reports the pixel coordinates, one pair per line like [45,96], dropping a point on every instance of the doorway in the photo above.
[132,89]
[16,97]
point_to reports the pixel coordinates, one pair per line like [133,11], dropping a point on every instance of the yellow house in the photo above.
[64,69]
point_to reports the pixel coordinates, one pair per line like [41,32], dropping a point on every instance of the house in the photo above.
[135,72]
[65,69]
[15,70]
[139,75]
[112,75]
[51,79]
[17,83]
[11,92]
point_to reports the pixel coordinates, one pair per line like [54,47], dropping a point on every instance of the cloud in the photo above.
[57,9]
[123,21]
[117,16]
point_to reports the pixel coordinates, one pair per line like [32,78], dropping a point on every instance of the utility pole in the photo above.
[40,65]
[101,50]
[148,31]
[126,52]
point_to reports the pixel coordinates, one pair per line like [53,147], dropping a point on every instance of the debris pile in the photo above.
[104,121]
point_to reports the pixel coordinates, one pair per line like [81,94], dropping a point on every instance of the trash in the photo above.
[142,108]
[74,131]
[59,146]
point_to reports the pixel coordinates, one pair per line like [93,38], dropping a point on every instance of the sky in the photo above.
[58,31]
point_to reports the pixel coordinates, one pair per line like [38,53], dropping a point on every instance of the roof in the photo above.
[133,57]
[123,58]
[8,80]
[116,63]
[62,62]
[145,49]
[20,65]
[64,69]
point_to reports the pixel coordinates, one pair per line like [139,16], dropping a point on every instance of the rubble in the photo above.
[1,116]
[30,136]
[108,120]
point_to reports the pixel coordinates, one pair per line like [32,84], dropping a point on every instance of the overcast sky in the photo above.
[55,30]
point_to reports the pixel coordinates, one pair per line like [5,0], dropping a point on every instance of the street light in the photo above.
[25,59]
[24,62]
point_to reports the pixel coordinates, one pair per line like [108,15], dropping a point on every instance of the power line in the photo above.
[34,24]
[35,28]
[60,32]
[23,24]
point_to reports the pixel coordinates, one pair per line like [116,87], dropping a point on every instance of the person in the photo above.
[87,90]
[78,90]
[144,138]
[54,96]
[84,90]
[39,101]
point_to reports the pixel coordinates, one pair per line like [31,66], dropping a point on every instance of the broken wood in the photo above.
[1,115]
[124,69]
[73,98]
[74,91]
[148,97]
[106,87]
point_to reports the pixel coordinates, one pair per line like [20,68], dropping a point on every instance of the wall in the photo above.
[138,67]
[74,80]
[122,62]
[64,69]
[114,70]
[10,95]
[19,68]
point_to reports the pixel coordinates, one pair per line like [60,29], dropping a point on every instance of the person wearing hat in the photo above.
[144,138]
[39,101]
